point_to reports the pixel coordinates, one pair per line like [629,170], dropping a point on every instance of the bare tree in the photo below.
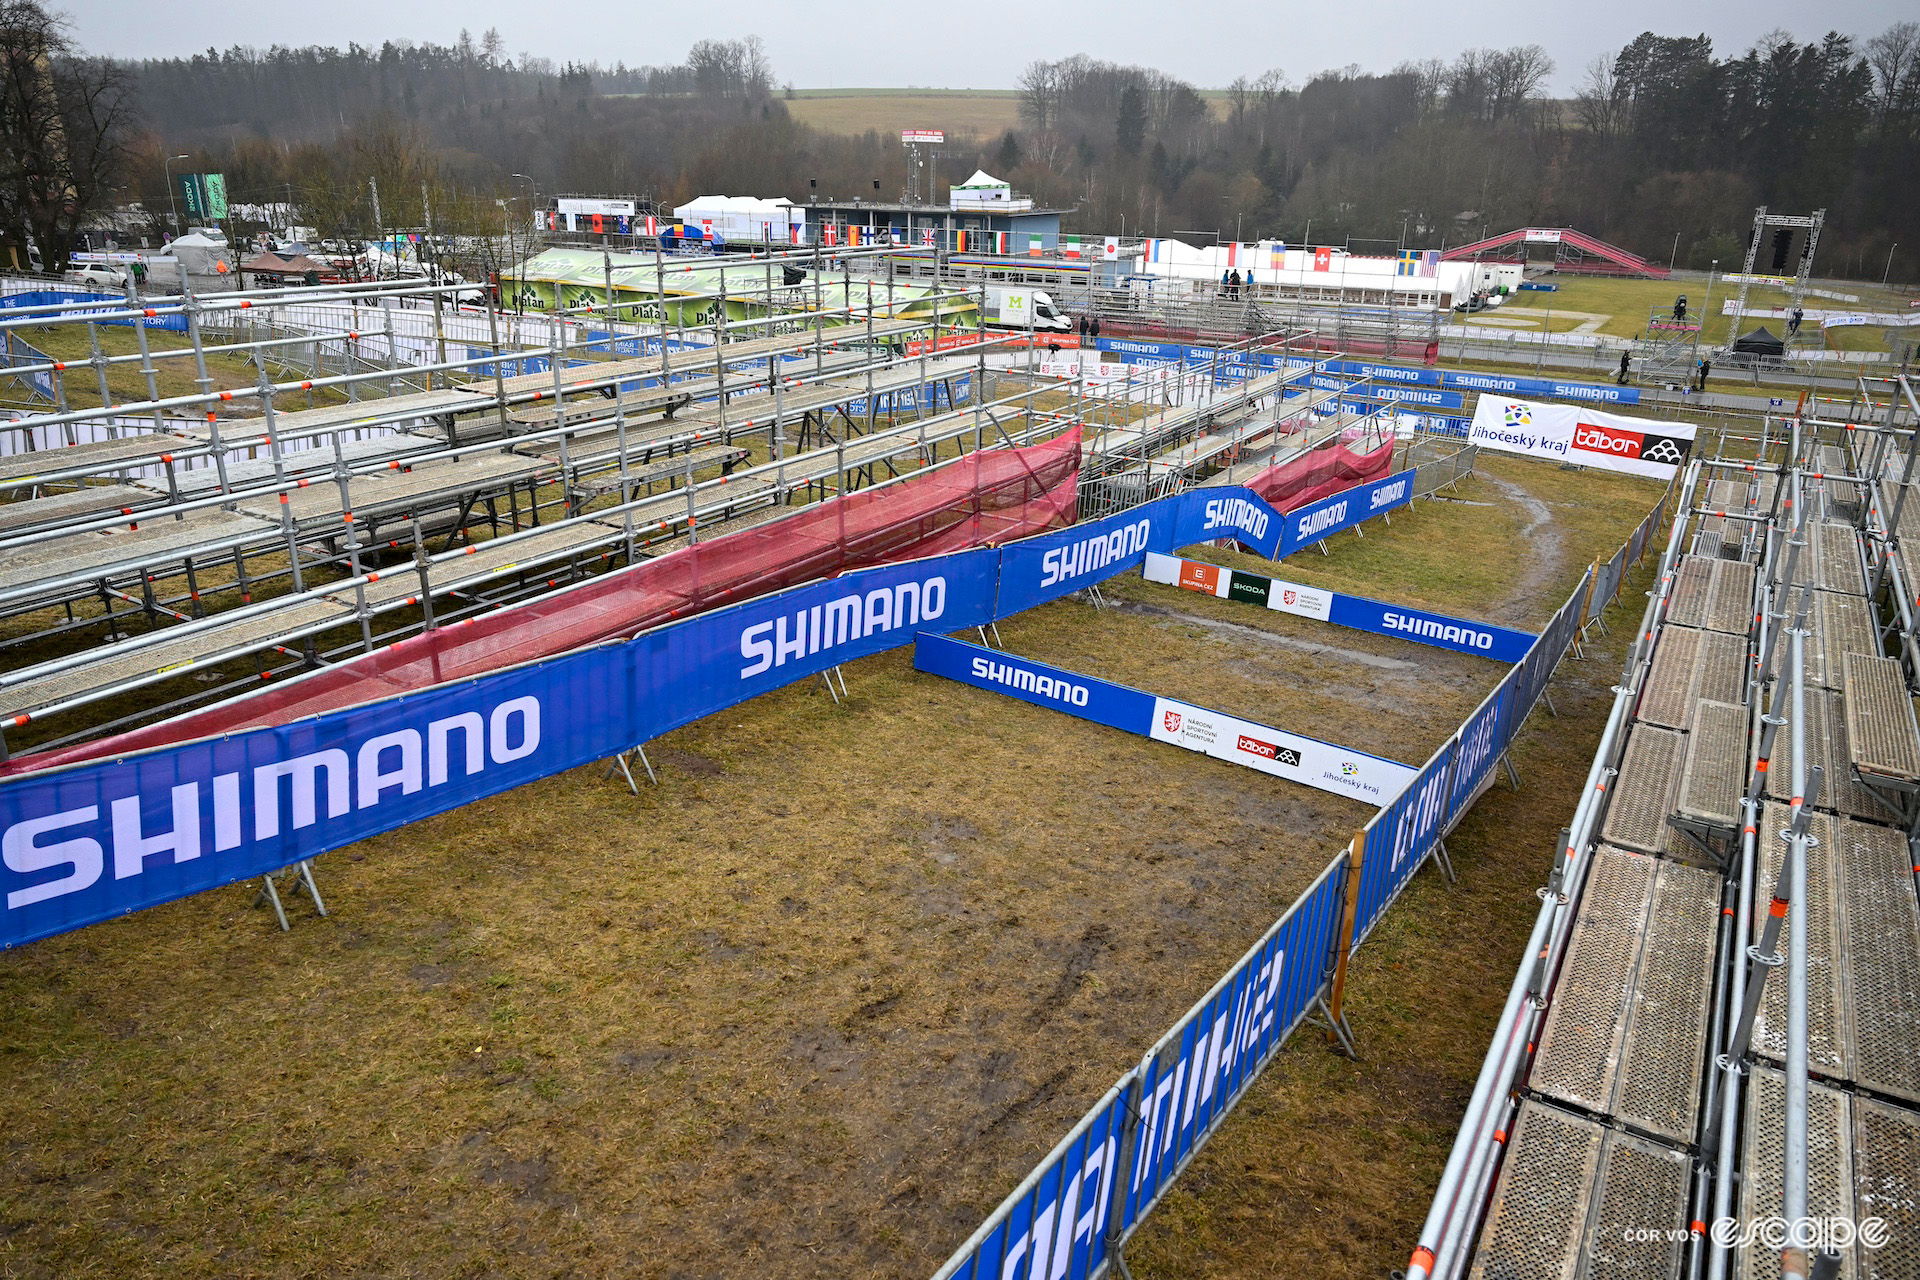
[1514,78]
[1604,102]
[1039,94]
[1894,55]
[1429,78]
[65,125]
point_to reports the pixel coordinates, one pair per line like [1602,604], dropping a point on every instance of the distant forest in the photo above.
[1666,147]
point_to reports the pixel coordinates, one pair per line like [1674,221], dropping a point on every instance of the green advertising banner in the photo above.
[204,194]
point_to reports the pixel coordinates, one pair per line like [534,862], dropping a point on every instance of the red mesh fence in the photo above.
[1321,474]
[991,496]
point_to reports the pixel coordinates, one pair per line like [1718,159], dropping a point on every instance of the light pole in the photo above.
[1675,255]
[1889,268]
[166,177]
[534,197]
[1706,311]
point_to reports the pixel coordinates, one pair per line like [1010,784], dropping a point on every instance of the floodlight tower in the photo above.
[1762,223]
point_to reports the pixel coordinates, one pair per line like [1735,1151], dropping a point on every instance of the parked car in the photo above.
[94,273]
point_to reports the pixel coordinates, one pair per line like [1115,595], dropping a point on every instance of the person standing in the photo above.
[1626,361]
[1093,328]
[1225,285]
[1233,286]
[1793,321]
[1705,366]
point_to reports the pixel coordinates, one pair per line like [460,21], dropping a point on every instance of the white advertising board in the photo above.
[605,208]
[1582,436]
[1284,755]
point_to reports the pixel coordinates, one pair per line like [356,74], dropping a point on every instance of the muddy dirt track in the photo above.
[809,1008]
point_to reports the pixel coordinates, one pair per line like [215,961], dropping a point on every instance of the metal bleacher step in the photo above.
[1730,604]
[1826,746]
[1713,594]
[1690,664]
[1880,920]
[1643,792]
[1714,777]
[1692,585]
[1830,1165]
[1628,1029]
[1667,697]
[1574,1202]
[1837,624]
[1828,1035]
[1835,550]
[1886,1185]
[1881,733]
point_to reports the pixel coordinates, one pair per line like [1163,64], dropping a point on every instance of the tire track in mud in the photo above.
[1546,545]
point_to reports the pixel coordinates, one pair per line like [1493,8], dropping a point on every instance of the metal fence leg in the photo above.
[272,894]
[313,890]
[1513,778]
[620,763]
[1445,863]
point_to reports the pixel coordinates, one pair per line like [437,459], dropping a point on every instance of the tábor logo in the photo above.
[1172,720]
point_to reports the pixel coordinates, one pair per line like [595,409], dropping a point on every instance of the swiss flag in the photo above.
[1323,259]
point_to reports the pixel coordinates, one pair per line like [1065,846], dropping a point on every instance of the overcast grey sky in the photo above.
[1208,42]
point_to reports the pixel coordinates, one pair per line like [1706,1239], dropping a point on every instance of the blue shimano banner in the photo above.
[1169,351]
[717,660]
[1192,1078]
[1038,569]
[1307,525]
[1420,397]
[1057,1228]
[96,841]
[1482,639]
[1504,384]
[1208,514]
[1113,705]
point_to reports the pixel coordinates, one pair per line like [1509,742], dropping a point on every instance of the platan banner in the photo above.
[1581,436]
[1309,761]
[1462,635]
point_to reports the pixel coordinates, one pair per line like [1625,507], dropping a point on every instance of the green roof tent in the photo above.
[555,278]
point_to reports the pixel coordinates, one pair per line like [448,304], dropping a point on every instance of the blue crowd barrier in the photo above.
[1244,363]
[1187,1083]
[107,301]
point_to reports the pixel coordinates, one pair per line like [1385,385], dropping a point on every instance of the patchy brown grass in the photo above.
[1328,1167]
[812,1007]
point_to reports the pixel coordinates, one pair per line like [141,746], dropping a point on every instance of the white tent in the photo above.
[984,191]
[743,217]
[199,253]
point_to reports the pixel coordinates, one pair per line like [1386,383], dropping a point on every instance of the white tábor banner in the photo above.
[1582,436]
[1284,755]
